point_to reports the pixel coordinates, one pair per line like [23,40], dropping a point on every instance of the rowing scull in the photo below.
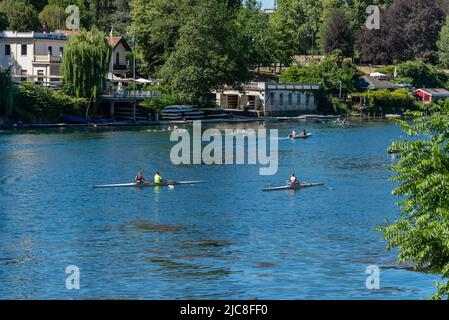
[295,187]
[148,184]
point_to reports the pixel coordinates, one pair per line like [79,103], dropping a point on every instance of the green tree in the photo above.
[35,103]
[299,20]
[443,45]
[336,33]
[38,4]
[21,15]
[421,236]
[6,93]
[409,30]
[207,53]
[120,17]
[331,73]
[255,34]
[156,24]
[85,14]
[3,21]
[86,62]
[53,17]
[100,11]
[422,74]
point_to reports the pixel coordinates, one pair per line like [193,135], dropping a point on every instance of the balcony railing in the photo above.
[136,94]
[47,59]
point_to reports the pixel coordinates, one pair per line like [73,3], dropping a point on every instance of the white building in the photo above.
[32,56]
[271,99]
[37,57]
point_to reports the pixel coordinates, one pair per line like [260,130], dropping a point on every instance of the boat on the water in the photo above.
[297,186]
[78,120]
[148,184]
[300,136]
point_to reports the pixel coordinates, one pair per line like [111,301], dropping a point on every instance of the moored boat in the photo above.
[74,119]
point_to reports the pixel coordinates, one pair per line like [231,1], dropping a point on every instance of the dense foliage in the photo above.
[255,35]
[421,236]
[86,62]
[417,73]
[388,101]
[332,73]
[21,15]
[34,103]
[206,55]
[7,92]
[336,33]
[52,17]
[3,21]
[443,45]
[409,30]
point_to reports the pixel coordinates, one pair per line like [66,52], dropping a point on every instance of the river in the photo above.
[221,240]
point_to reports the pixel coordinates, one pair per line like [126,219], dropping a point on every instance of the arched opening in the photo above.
[117,58]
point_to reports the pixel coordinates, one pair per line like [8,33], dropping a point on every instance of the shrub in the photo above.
[34,103]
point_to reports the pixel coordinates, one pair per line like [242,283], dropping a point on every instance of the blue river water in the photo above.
[221,240]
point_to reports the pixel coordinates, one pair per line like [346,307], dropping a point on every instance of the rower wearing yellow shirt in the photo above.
[157,178]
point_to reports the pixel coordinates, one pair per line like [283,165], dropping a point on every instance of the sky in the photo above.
[267,3]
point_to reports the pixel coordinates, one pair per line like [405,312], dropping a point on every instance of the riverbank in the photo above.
[235,120]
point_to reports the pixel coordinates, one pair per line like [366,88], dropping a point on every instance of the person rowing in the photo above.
[139,177]
[157,178]
[293,134]
[293,180]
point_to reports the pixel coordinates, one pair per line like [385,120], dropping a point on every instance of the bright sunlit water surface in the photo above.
[221,240]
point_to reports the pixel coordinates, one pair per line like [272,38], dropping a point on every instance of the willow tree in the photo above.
[86,62]
[6,93]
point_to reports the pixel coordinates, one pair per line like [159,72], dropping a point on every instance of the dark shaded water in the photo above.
[223,240]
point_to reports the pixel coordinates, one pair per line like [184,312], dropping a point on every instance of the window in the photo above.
[24,74]
[281,99]
[61,51]
[298,99]
[24,50]
[50,50]
[40,73]
[307,98]
[7,49]
[290,99]
[117,58]
[271,98]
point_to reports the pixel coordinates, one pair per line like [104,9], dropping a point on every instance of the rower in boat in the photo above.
[293,134]
[139,177]
[157,178]
[293,180]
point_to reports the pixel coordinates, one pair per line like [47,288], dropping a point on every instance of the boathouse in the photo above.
[427,95]
[270,98]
